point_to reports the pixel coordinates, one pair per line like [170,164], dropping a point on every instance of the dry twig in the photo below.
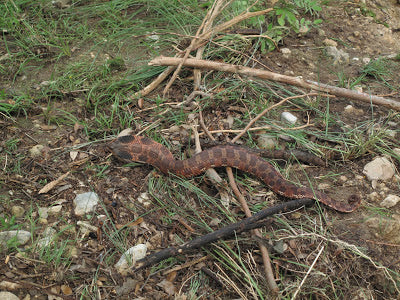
[262,74]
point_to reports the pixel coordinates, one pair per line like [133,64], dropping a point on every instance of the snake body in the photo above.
[141,149]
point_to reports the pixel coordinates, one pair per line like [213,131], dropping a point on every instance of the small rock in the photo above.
[379,169]
[130,257]
[286,51]
[388,229]
[266,141]
[22,237]
[396,151]
[86,227]
[8,296]
[229,121]
[85,203]
[321,32]
[288,117]
[48,235]
[366,60]
[329,42]
[55,210]
[351,110]
[390,201]
[339,56]
[36,151]
[374,196]
[43,212]
[17,211]
[144,199]
[324,186]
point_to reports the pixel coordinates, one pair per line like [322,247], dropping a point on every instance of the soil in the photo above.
[362,37]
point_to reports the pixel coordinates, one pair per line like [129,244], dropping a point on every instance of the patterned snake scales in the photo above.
[142,149]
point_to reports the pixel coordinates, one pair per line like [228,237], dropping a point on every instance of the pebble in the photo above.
[351,110]
[266,141]
[17,211]
[390,201]
[130,257]
[339,56]
[144,199]
[36,151]
[388,229]
[329,42]
[8,296]
[85,203]
[22,237]
[86,227]
[379,169]
[55,210]
[288,117]
[48,235]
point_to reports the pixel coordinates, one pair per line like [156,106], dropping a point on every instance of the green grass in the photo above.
[81,64]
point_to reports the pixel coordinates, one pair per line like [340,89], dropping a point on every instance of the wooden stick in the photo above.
[255,232]
[224,67]
[255,221]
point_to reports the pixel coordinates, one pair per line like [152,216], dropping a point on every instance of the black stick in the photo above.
[239,227]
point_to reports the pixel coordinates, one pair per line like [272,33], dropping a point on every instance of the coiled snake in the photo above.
[142,149]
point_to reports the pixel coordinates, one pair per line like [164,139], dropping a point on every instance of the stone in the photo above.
[22,237]
[8,296]
[339,56]
[17,211]
[390,201]
[288,117]
[130,257]
[379,169]
[55,210]
[48,235]
[266,141]
[85,203]
[329,42]
[36,151]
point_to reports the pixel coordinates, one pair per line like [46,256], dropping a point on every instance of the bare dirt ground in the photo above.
[360,36]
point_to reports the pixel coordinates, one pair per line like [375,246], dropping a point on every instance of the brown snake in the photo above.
[142,149]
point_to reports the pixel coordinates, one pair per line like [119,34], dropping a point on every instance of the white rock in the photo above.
[48,235]
[390,201]
[55,210]
[36,151]
[366,60]
[130,257]
[8,296]
[43,212]
[288,117]
[85,203]
[286,51]
[22,237]
[144,199]
[379,169]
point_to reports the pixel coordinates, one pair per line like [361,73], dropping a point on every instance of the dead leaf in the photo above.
[73,155]
[66,289]
[167,286]
[52,184]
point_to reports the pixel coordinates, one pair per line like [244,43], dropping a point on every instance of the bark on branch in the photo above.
[263,74]
[255,221]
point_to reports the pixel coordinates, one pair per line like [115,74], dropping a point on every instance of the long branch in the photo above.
[255,221]
[242,70]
